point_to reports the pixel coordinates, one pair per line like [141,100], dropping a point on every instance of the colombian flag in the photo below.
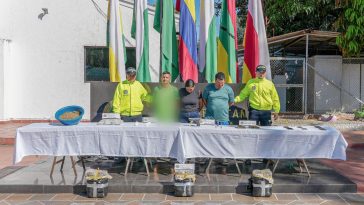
[187,40]
[226,45]
[255,42]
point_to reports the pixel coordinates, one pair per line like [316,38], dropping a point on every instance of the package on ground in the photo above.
[97,183]
[97,189]
[262,182]
[184,179]
[183,189]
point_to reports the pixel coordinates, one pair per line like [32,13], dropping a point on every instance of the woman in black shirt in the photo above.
[190,102]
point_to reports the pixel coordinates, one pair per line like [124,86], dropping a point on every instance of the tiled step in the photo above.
[7,140]
[8,131]
[355,139]
[36,179]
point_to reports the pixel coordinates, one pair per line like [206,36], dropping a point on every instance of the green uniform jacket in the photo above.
[129,97]
[262,95]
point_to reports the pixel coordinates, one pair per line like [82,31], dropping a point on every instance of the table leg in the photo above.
[53,164]
[131,164]
[127,166]
[308,172]
[275,166]
[208,166]
[299,165]
[146,165]
[83,163]
[237,166]
[62,160]
[73,165]
[151,163]
[270,161]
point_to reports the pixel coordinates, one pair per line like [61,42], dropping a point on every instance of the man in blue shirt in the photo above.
[218,98]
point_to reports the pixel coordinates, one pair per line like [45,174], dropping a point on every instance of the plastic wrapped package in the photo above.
[184,183]
[262,182]
[97,183]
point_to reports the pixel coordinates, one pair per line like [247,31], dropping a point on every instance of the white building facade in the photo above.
[42,53]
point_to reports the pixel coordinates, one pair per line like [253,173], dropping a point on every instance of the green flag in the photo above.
[208,45]
[169,52]
[140,32]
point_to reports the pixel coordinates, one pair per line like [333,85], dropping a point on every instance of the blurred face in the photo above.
[190,89]
[130,77]
[166,79]
[260,74]
[219,83]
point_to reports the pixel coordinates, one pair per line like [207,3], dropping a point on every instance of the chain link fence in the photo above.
[334,84]
[288,77]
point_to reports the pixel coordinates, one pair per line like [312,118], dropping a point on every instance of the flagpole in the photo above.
[160,38]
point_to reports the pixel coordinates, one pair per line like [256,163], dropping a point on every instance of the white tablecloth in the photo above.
[266,142]
[178,141]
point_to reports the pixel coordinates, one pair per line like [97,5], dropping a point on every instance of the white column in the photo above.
[4,66]
[1,79]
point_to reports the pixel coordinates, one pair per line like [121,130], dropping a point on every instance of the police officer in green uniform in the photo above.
[129,97]
[263,98]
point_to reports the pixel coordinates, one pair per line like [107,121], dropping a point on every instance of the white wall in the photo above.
[327,96]
[351,83]
[46,69]
[1,79]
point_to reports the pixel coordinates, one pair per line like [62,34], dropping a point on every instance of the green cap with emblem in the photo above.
[261,69]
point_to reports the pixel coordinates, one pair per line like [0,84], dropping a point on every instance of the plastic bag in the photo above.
[97,175]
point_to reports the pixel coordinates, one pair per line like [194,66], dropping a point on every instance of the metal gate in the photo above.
[288,75]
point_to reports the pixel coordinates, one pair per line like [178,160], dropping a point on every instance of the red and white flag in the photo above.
[255,42]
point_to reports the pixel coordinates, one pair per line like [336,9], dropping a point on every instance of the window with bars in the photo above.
[97,62]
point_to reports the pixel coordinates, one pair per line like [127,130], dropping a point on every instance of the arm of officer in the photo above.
[116,102]
[275,99]
[146,93]
[244,93]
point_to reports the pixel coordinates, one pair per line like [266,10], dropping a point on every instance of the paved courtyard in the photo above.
[140,198]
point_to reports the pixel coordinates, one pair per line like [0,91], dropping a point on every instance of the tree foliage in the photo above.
[285,16]
[351,26]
